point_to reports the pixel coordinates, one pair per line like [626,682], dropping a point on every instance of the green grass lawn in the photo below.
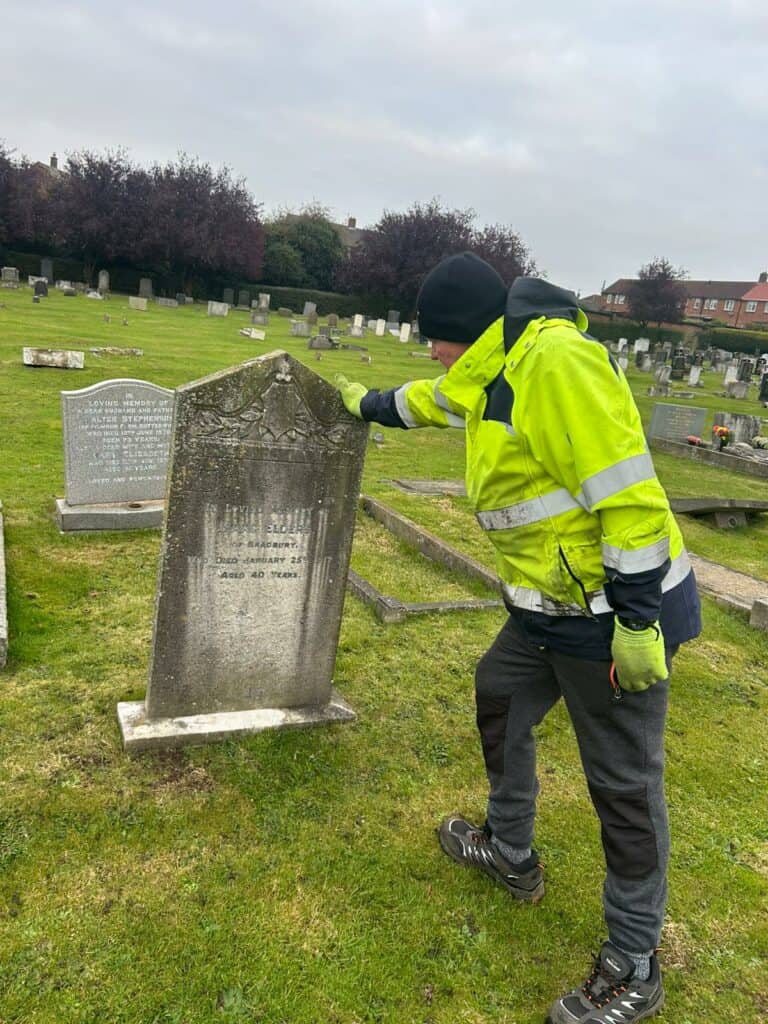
[295,877]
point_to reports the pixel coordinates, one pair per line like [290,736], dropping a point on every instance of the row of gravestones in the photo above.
[258,471]
[678,422]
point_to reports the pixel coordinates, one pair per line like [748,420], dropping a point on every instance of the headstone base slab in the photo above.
[123,515]
[141,733]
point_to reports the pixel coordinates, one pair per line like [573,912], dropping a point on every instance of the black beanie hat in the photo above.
[460,298]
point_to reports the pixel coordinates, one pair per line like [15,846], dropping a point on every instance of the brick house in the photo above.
[726,301]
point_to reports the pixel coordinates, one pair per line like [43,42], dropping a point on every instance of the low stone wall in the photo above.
[732,463]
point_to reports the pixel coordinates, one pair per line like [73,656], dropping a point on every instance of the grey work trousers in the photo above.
[621,743]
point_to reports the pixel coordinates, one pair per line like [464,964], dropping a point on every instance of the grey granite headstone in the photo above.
[244,298]
[169,303]
[731,374]
[103,285]
[136,302]
[46,269]
[263,488]
[284,311]
[320,341]
[60,359]
[145,288]
[41,288]
[676,422]
[743,428]
[116,441]
[694,376]
[260,316]
[181,298]
[737,389]
[228,296]
[324,330]
[312,317]
[10,275]
[309,307]
[662,374]
[333,320]
[299,329]
[264,300]
[393,317]
[3,604]
[218,309]
[356,332]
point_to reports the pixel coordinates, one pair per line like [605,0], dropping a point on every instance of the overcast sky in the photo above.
[604,133]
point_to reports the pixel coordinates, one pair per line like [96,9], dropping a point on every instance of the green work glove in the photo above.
[351,394]
[638,656]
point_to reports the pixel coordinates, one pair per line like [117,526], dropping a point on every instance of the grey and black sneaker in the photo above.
[610,995]
[469,845]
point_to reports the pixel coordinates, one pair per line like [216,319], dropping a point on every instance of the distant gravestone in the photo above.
[116,441]
[357,320]
[622,344]
[136,302]
[262,495]
[228,296]
[9,275]
[763,393]
[694,376]
[647,364]
[46,269]
[623,363]
[181,298]
[264,300]
[59,359]
[309,307]
[393,316]
[299,329]
[312,317]
[676,422]
[320,341]
[333,320]
[324,330]
[745,369]
[145,288]
[405,332]
[662,374]
[244,298]
[41,288]
[380,328]
[260,316]
[218,309]
[93,294]
[284,311]
[356,332]
[168,303]
[103,285]
[253,333]
[737,389]
[743,428]
[731,374]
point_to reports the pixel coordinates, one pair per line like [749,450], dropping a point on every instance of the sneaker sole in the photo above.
[534,895]
[652,1010]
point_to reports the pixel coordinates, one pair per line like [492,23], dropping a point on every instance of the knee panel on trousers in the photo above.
[629,838]
[492,714]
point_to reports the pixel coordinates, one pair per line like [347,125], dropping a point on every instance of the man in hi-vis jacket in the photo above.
[597,583]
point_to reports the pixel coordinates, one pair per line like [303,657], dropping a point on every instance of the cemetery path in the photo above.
[735,589]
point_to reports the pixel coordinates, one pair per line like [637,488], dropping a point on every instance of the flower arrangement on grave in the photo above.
[722,435]
[692,439]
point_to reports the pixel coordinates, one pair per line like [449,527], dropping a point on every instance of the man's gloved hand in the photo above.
[351,394]
[639,656]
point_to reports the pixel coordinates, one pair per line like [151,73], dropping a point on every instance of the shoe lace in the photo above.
[600,987]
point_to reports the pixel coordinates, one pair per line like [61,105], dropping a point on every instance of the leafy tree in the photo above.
[313,239]
[658,296]
[393,256]
[24,203]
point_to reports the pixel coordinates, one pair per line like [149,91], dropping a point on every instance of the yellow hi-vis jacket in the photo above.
[562,479]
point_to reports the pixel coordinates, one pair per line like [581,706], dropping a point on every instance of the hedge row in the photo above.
[732,340]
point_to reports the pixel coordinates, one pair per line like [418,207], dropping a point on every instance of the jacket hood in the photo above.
[531,297]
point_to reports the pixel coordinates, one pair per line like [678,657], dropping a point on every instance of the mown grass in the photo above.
[295,877]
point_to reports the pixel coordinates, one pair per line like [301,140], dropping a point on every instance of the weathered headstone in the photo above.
[380,328]
[59,359]
[324,330]
[662,374]
[405,332]
[299,329]
[737,389]
[731,374]
[284,311]
[356,332]
[260,316]
[647,364]
[92,294]
[263,488]
[623,363]
[742,428]
[181,298]
[41,288]
[168,303]
[253,333]
[116,442]
[103,285]
[46,269]
[136,302]
[228,296]
[745,369]
[244,298]
[694,376]
[9,275]
[218,308]
[393,316]
[264,300]
[678,367]
[357,320]
[312,317]
[676,422]
[333,320]
[309,307]
[320,341]
[145,288]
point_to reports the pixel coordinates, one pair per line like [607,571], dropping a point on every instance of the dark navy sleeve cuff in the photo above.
[636,595]
[380,407]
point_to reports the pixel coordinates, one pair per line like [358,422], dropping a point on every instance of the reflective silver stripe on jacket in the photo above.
[442,403]
[531,511]
[617,477]
[401,405]
[535,601]
[650,557]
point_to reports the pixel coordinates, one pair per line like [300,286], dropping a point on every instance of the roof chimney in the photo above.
[54,162]
[351,222]
[763,277]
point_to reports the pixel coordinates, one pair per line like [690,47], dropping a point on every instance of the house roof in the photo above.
[757,294]
[693,289]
